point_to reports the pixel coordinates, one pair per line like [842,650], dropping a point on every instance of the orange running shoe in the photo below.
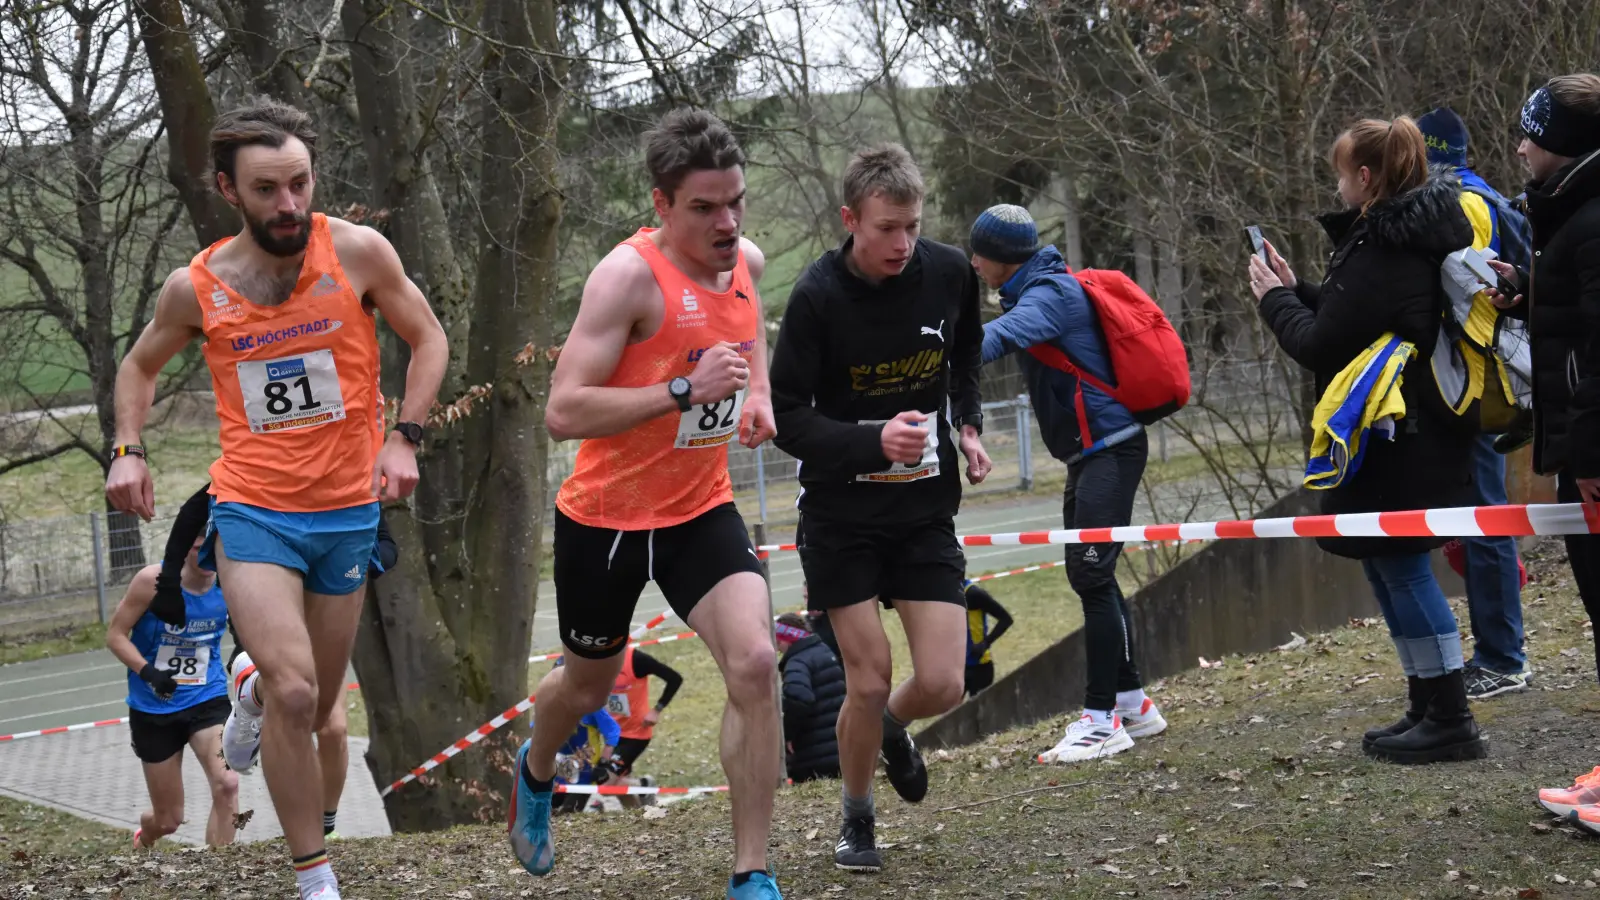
[1584,792]
[1587,818]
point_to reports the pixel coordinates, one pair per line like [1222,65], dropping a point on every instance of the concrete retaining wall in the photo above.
[1235,596]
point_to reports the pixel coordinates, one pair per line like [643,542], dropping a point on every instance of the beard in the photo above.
[261,232]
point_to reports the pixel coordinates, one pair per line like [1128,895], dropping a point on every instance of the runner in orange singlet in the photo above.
[286,313]
[666,364]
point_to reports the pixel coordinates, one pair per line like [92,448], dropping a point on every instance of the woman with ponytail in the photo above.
[1383,277]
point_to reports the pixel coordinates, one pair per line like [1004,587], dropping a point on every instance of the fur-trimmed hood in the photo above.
[1427,219]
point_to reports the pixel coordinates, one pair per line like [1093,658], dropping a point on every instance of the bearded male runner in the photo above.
[286,313]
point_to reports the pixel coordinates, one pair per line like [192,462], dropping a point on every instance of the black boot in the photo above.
[1419,691]
[1447,732]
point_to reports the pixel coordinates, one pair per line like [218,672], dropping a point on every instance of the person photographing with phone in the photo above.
[1378,310]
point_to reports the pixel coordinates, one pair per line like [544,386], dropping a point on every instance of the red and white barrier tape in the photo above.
[606,790]
[1022,571]
[476,735]
[1467,521]
[103,723]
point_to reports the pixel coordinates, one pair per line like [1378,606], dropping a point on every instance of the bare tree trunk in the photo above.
[187,111]
[1144,266]
[1169,259]
[444,646]
[259,33]
[1059,201]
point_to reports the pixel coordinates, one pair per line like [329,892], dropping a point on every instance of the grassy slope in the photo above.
[1259,790]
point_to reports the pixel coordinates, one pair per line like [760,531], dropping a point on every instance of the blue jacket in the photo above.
[1511,238]
[1044,304]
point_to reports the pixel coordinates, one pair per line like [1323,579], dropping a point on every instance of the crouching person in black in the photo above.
[813,692]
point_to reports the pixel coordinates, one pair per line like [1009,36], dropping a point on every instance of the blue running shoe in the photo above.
[528,824]
[761,886]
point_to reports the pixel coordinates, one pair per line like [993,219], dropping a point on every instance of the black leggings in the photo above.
[1583,554]
[1100,493]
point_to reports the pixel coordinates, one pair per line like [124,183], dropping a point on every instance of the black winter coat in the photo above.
[1383,276]
[1563,313]
[813,692]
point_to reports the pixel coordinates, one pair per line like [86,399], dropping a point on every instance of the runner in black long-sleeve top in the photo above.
[880,336]
[981,607]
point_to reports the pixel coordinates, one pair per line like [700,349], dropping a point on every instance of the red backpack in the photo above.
[1147,357]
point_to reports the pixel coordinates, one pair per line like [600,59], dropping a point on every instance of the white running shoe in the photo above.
[1086,739]
[241,736]
[1146,721]
[326,892]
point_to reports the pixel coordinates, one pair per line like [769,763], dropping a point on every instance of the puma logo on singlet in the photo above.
[936,332]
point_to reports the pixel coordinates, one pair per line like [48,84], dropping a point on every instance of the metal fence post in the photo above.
[1024,443]
[761,484]
[99,566]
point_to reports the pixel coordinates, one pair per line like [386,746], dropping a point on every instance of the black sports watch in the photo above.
[411,431]
[974,419]
[679,388]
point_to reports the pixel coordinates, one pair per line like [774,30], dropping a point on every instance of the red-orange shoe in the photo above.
[1587,818]
[1584,792]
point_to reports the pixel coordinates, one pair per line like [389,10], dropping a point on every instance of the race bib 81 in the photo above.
[291,392]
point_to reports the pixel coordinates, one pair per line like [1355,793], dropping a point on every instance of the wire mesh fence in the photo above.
[1227,454]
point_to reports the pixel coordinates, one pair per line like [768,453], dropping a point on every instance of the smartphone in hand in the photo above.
[1478,264]
[1259,243]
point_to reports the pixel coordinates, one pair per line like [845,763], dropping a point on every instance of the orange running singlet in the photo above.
[670,469]
[630,700]
[296,386]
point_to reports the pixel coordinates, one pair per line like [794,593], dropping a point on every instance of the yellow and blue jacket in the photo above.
[1362,402]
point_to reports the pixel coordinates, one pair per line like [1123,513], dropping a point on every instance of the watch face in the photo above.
[678,386]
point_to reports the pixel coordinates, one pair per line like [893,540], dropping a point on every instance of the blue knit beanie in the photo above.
[1446,136]
[1005,234]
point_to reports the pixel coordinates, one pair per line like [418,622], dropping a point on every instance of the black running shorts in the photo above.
[600,572]
[846,563]
[629,750]
[157,737]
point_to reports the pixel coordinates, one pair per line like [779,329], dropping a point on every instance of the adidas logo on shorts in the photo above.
[354,574]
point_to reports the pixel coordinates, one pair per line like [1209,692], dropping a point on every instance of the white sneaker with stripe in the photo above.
[1087,739]
[1146,721]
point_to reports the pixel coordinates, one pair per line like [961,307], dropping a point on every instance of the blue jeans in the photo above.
[1494,585]
[1420,621]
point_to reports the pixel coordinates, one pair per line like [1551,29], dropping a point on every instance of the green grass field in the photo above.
[1257,790]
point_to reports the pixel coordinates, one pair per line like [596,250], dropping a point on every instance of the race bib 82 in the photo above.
[709,424]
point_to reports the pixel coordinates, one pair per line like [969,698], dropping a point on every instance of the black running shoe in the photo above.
[856,850]
[902,761]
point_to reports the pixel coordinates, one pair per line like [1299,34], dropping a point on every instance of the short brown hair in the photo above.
[794,620]
[886,169]
[1395,152]
[1580,92]
[688,140]
[261,122]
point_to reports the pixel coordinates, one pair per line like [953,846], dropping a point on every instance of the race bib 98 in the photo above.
[292,392]
[709,424]
[187,665]
[899,473]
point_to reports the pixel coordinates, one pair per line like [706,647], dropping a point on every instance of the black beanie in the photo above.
[1559,129]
